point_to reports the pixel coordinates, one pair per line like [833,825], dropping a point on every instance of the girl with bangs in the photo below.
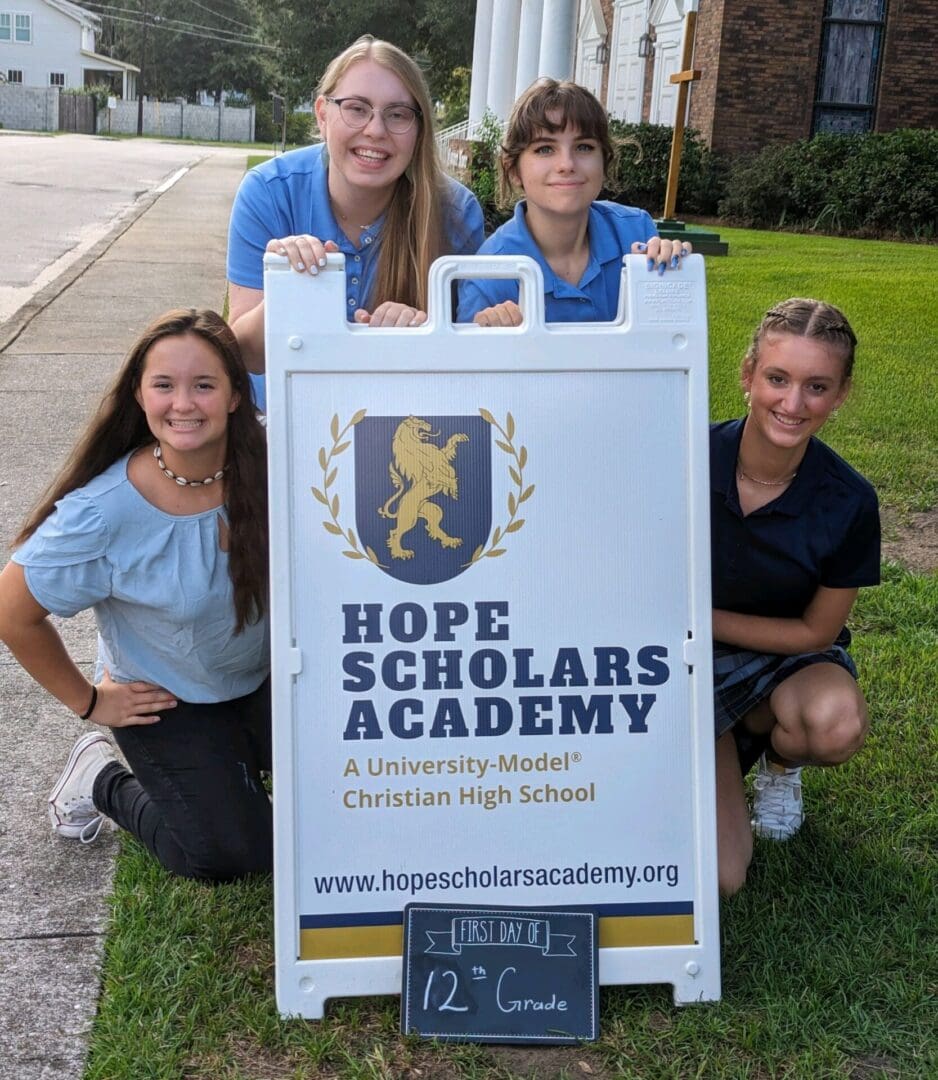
[559,154]
[373,189]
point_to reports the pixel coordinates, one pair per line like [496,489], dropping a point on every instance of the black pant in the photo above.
[195,797]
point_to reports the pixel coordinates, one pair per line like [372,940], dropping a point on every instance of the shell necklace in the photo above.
[181,480]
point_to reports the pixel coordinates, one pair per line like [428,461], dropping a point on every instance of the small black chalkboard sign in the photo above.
[513,975]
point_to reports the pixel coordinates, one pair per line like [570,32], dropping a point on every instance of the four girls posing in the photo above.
[158,522]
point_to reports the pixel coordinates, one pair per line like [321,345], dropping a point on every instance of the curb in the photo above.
[22,317]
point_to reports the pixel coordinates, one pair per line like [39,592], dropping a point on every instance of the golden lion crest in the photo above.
[430,472]
[429,469]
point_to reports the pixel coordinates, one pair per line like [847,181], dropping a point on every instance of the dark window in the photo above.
[14,76]
[851,48]
[57,78]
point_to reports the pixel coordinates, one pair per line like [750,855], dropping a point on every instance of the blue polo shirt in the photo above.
[612,230]
[289,195]
[822,530]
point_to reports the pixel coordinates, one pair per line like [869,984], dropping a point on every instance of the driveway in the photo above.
[61,195]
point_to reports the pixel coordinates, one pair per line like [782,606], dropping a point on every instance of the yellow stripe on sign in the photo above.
[629,931]
[347,942]
[619,932]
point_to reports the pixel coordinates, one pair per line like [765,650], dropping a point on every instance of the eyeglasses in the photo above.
[398,119]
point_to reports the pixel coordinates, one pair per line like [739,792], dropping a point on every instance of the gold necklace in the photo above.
[741,474]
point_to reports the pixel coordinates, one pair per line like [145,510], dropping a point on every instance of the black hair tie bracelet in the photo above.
[94,701]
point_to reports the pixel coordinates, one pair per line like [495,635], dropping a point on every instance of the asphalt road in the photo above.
[61,195]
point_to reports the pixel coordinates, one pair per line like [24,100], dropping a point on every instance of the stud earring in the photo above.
[747,397]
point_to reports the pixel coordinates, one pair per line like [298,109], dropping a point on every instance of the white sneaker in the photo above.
[71,809]
[777,809]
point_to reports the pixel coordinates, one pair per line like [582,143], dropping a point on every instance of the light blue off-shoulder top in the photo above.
[159,587]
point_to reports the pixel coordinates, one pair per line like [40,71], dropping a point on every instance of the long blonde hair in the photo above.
[413,229]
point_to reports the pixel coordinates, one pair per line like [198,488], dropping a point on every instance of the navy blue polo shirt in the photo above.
[822,530]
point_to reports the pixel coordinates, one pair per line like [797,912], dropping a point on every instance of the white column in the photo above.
[529,43]
[481,49]
[506,17]
[558,39]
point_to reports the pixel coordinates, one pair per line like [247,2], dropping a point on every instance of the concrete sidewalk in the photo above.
[54,907]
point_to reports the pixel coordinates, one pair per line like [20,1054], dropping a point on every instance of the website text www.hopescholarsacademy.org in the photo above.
[502,877]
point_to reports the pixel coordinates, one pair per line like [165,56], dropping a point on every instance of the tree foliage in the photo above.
[437,33]
[191,46]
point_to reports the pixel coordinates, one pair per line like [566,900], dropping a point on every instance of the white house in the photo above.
[518,40]
[52,43]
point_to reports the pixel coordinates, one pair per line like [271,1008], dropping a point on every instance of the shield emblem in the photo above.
[423,493]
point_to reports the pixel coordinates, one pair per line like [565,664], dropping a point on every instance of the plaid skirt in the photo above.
[742,679]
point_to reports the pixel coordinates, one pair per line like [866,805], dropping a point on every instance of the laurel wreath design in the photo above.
[329,474]
[519,495]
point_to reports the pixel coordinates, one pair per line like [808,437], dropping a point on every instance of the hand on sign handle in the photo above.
[307,254]
[507,313]
[391,314]
[663,254]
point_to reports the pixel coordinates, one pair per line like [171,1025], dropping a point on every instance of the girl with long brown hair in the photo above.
[158,523]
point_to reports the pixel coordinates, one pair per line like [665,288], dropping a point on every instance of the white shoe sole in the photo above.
[64,828]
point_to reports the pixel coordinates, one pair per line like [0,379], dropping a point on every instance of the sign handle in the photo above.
[450,268]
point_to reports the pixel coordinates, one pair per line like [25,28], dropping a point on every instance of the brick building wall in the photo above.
[908,85]
[763,89]
[759,67]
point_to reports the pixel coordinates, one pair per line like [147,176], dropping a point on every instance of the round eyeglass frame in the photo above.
[416,114]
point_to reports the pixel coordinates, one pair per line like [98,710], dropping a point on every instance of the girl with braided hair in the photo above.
[794,533]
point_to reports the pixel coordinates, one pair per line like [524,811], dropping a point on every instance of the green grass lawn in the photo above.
[830,953]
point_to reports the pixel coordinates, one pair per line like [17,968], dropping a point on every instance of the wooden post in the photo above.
[683,79]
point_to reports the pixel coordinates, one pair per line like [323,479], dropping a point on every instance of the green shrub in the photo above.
[299,126]
[868,185]
[642,171]
[483,170]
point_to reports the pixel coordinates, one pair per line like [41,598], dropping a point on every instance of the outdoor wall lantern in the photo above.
[646,46]
[602,54]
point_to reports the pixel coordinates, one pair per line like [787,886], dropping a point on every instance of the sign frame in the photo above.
[661,328]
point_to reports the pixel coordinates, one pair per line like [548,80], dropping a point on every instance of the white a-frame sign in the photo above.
[491,626]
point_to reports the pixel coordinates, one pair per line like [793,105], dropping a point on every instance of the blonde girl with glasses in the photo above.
[373,190]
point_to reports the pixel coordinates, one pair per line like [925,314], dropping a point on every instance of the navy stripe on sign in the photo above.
[396,918]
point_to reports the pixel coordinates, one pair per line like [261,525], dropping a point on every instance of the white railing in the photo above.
[451,143]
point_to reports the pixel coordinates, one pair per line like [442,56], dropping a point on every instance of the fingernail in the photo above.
[300,266]
[651,264]
[661,269]
[642,247]
[322,261]
[314,270]
[673,261]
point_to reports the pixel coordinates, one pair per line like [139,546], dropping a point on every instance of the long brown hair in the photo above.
[119,427]
[806,318]
[413,233]
[551,105]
